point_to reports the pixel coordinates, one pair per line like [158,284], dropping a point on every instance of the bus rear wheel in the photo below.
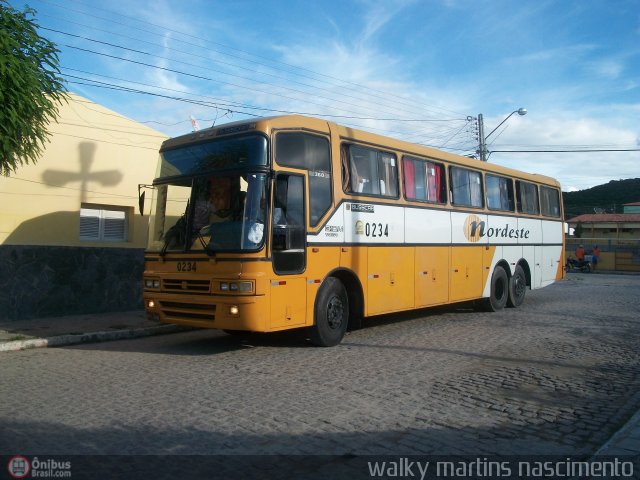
[517,288]
[499,290]
[331,314]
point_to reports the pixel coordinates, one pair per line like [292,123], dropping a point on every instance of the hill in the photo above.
[607,198]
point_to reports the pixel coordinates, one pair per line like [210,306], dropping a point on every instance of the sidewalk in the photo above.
[625,441]
[73,329]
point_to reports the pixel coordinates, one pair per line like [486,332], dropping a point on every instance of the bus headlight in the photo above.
[234,310]
[152,283]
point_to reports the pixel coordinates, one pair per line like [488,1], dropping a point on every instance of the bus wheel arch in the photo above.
[527,270]
[331,313]
[355,295]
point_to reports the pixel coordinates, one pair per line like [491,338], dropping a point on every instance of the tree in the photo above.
[578,230]
[30,88]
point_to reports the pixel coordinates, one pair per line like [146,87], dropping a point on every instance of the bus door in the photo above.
[288,251]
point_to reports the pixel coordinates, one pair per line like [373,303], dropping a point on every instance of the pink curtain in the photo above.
[409,178]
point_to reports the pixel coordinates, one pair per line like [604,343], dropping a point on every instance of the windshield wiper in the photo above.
[202,242]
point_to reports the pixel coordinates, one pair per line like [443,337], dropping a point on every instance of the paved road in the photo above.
[559,375]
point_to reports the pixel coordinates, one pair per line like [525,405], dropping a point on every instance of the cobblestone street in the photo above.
[558,375]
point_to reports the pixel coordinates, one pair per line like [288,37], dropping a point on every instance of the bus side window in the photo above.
[466,187]
[372,172]
[527,196]
[499,193]
[424,180]
[549,202]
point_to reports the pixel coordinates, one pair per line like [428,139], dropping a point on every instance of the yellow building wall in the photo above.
[95,157]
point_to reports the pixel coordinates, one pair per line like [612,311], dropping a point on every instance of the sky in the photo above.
[420,71]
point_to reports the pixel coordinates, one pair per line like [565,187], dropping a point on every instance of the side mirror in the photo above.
[141,196]
[141,203]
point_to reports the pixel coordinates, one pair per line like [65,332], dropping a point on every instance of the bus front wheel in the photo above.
[331,314]
[499,290]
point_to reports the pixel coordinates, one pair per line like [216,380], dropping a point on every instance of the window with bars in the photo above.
[107,224]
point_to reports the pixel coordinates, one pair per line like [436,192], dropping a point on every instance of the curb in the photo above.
[94,337]
[617,439]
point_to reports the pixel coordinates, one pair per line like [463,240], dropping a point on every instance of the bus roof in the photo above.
[267,124]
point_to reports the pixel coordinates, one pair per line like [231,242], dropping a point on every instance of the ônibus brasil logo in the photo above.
[19,467]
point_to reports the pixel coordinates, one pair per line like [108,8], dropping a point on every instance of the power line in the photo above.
[595,150]
[69,188]
[141,52]
[99,84]
[102,129]
[433,134]
[335,79]
[200,77]
[223,105]
[104,141]
[252,70]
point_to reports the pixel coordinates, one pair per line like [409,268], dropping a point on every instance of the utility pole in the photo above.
[482,139]
[482,151]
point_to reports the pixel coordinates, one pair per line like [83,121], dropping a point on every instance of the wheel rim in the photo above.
[335,313]
[519,286]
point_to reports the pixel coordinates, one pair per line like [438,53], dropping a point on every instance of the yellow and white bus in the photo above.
[296,222]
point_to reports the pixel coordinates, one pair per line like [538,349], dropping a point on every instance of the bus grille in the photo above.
[188,311]
[186,286]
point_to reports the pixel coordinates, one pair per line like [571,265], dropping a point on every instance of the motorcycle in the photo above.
[574,264]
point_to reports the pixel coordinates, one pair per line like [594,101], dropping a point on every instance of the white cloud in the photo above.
[557,132]
[607,68]
[563,54]
[378,14]
[559,84]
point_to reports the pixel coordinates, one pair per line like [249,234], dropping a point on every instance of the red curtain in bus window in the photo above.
[409,178]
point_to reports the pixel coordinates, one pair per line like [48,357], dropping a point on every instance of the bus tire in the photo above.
[517,288]
[499,290]
[331,314]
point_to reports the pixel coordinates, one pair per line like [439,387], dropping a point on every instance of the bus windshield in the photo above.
[214,155]
[212,213]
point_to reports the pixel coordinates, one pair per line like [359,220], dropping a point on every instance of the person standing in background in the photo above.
[595,256]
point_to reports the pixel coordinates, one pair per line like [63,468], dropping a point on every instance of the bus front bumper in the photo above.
[222,312]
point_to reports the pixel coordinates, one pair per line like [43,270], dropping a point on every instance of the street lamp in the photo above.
[483,138]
